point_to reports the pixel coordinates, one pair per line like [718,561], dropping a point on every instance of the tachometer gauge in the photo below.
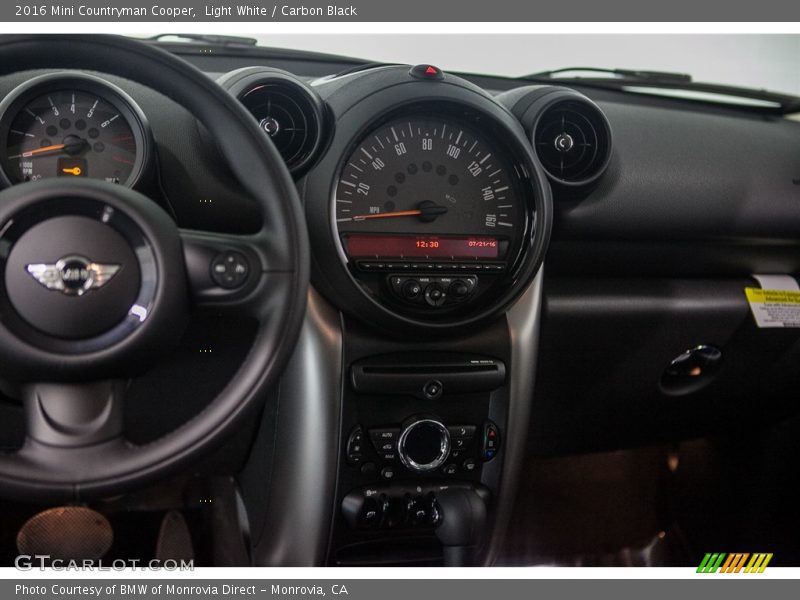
[428,188]
[72,125]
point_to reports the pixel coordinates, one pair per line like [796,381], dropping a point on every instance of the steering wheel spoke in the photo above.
[236,273]
[74,415]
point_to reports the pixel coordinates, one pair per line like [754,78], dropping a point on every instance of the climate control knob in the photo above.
[424,445]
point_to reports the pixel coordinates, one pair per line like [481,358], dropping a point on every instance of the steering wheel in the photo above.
[95,279]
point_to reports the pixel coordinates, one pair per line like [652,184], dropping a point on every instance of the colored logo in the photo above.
[743,562]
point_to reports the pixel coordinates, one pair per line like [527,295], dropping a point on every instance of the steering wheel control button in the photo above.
[426,72]
[424,445]
[450,469]
[72,277]
[229,269]
[469,465]
[387,472]
[355,446]
[490,441]
[433,389]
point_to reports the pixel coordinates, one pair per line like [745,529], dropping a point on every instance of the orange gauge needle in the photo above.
[386,215]
[42,150]
[427,211]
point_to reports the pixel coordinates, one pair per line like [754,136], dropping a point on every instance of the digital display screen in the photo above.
[400,246]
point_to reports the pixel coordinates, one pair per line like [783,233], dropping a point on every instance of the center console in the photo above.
[415,424]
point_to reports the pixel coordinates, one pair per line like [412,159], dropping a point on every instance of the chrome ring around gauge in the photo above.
[432,209]
[72,125]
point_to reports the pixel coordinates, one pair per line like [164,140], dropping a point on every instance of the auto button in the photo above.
[385,441]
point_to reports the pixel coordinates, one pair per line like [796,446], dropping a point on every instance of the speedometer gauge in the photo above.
[71,126]
[428,188]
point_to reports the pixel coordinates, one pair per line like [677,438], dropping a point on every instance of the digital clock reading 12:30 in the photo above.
[400,246]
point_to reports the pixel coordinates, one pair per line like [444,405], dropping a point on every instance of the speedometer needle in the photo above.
[427,211]
[386,215]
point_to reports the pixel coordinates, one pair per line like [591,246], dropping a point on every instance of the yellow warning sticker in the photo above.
[774,308]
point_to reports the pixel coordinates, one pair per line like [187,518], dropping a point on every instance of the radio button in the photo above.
[411,289]
[435,295]
[459,289]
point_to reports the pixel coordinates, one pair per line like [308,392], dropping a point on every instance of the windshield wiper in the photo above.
[676,85]
[659,76]
[216,40]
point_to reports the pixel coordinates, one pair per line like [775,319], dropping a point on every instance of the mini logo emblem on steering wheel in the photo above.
[72,275]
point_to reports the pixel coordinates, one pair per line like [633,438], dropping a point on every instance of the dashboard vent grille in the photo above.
[287,112]
[572,141]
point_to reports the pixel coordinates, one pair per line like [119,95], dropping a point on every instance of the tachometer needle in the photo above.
[42,150]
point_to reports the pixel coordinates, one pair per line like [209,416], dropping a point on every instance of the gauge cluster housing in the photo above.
[360,102]
[137,170]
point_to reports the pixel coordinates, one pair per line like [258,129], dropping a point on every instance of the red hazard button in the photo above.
[426,72]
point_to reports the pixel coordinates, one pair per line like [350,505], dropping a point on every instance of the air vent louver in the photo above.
[290,115]
[573,142]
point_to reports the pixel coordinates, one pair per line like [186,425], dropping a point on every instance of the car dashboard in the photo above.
[501,270]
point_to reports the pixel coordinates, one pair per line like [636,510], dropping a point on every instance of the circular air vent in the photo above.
[287,110]
[573,141]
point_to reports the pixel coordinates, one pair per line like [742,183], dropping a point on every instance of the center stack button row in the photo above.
[385,441]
